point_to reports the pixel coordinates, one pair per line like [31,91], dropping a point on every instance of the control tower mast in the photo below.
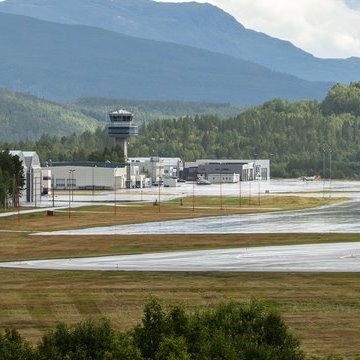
[121,128]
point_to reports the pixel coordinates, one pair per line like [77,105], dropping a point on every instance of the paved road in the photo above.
[342,257]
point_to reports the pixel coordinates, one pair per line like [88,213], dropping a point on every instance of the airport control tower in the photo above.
[121,128]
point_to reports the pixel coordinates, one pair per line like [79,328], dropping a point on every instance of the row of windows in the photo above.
[65,183]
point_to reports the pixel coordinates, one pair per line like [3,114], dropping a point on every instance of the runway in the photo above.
[338,257]
[339,218]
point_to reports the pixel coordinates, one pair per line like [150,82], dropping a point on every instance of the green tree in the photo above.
[85,340]
[12,178]
[13,347]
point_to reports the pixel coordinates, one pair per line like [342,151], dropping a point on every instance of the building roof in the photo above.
[31,159]
[120,112]
[99,164]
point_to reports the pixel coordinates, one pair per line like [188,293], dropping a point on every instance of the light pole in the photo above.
[18,197]
[70,185]
[330,158]
[249,190]
[159,178]
[114,192]
[93,180]
[323,172]
[257,176]
[221,194]
[240,173]
[159,188]
[193,196]
[53,191]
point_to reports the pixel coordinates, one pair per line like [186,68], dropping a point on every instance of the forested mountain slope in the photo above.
[199,25]
[299,138]
[56,61]
[26,117]
[145,110]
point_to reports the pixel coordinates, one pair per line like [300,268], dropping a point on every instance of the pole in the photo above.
[221,197]
[240,190]
[72,184]
[249,191]
[18,198]
[93,181]
[69,182]
[330,153]
[35,181]
[323,171]
[193,196]
[159,193]
[53,192]
[115,194]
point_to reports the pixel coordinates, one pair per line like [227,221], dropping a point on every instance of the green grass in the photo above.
[322,309]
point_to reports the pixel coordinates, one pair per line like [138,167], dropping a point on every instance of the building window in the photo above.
[71,183]
[60,183]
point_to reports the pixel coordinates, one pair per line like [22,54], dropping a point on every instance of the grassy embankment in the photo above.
[322,309]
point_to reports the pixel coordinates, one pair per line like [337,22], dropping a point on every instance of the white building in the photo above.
[88,175]
[33,177]
[223,178]
[32,174]
[156,168]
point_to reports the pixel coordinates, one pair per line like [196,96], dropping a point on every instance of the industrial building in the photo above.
[32,174]
[87,175]
[158,168]
[227,170]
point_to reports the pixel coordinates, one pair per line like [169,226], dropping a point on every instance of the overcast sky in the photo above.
[325,28]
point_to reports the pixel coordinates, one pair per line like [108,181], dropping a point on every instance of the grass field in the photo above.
[322,309]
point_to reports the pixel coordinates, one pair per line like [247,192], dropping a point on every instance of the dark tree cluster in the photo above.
[11,179]
[229,331]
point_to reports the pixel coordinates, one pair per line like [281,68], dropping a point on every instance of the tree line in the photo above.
[228,331]
[302,138]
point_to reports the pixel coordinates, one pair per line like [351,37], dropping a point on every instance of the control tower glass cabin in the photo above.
[121,128]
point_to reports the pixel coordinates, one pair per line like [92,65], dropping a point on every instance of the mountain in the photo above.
[147,111]
[199,25]
[57,61]
[26,117]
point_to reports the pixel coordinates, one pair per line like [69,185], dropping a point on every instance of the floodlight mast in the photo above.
[121,128]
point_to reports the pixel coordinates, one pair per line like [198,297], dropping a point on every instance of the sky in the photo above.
[324,28]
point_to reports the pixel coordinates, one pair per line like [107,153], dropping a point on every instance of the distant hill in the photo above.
[25,117]
[64,62]
[145,111]
[199,25]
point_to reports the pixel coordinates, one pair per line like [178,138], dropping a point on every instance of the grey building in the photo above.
[226,170]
